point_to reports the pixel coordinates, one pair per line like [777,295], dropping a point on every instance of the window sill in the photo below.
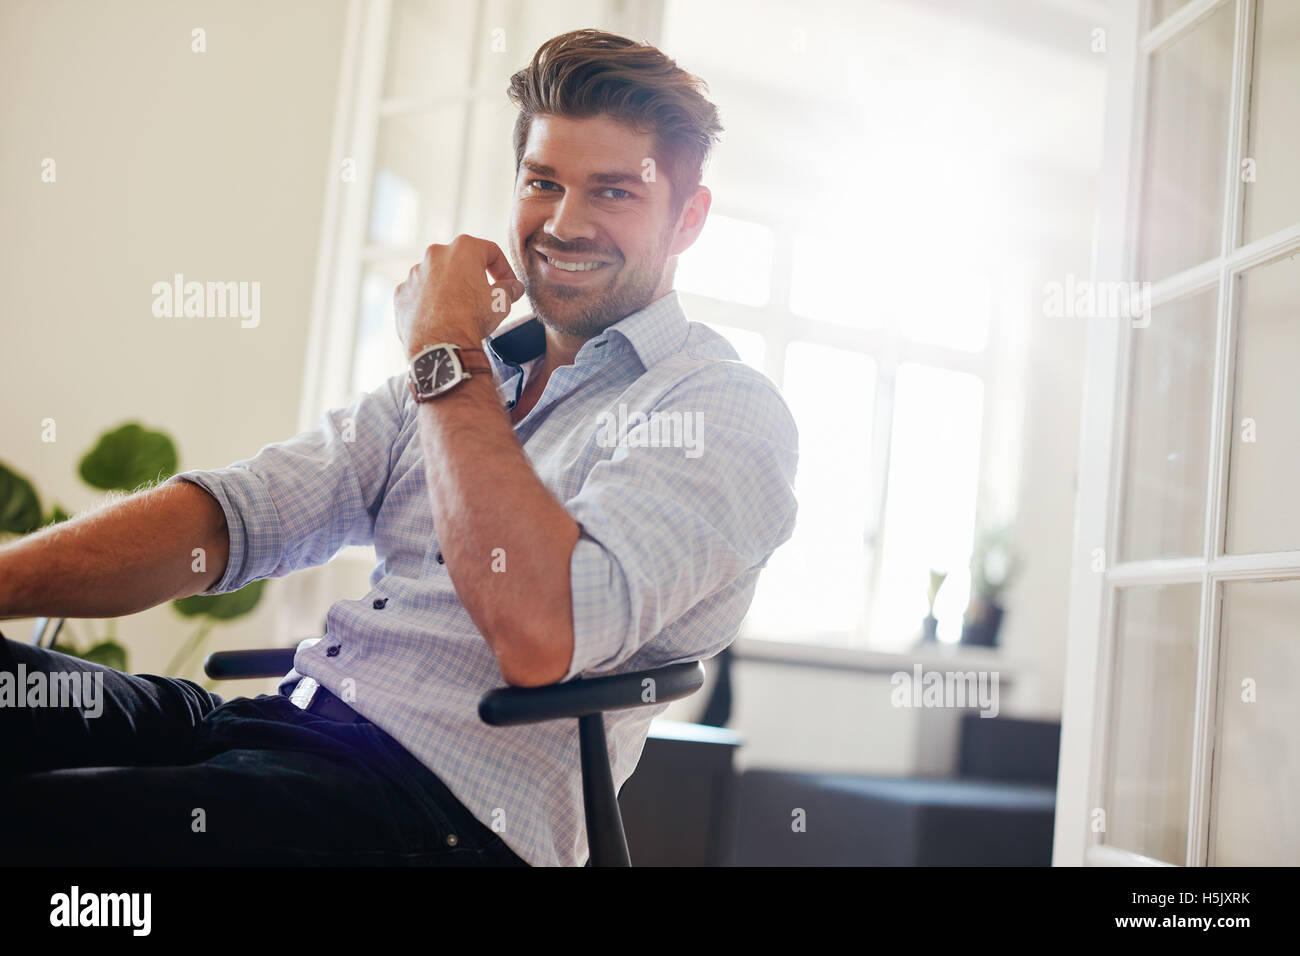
[936,657]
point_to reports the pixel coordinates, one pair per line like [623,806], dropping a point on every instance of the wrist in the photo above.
[472,390]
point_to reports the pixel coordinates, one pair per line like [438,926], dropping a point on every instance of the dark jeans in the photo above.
[169,773]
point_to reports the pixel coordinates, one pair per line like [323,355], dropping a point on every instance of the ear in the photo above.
[691,220]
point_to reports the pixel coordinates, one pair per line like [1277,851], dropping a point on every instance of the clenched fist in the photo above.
[457,293]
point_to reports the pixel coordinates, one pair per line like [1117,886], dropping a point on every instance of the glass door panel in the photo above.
[1150,726]
[1264,458]
[1187,134]
[417,161]
[1163,509]
[1255,806]
[428,48]
[1272,188]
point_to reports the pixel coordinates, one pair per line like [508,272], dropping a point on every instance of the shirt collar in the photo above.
[654,333]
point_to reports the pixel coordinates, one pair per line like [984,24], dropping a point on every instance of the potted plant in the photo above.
[994,565]
[122,460]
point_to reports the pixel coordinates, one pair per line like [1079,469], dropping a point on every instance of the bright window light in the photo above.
[826,556]
[748,345]
[930,505]
[731,260]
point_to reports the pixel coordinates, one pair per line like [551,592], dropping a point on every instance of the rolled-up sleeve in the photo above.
[296,503]
[663,528]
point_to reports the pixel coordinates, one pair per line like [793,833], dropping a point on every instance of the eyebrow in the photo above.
[596,179]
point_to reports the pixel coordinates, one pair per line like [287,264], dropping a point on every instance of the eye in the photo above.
[624,194]
[541,184]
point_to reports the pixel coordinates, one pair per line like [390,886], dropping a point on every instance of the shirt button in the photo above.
[379,603]
[439,558]
[451,839]
[333,651]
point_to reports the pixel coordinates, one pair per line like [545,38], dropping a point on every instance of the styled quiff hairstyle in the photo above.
[590,72]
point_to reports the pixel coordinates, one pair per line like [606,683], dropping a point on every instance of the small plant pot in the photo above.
[982,631]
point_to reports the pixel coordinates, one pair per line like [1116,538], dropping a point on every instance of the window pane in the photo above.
[731,260]
[377,353]
[516,28]
[818,291]
[429,47]
[417,160]
[953,313]
[1273,198]
[930,501]
[831,395]
[487,190]
[1150,729]
[1163,8]
[1265,452]
[1163,511]
[1187,129]
[1256,800]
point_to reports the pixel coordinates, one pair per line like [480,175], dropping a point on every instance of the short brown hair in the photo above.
[591,72]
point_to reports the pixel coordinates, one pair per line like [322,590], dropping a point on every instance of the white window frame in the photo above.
[779,325]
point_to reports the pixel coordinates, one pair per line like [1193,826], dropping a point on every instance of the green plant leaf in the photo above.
[128,457]
[108,653]
[221,607]
[56,514]
[20,506]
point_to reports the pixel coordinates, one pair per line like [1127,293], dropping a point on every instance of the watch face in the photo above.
[435,370]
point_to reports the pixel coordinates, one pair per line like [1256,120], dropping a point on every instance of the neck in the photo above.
[561,349]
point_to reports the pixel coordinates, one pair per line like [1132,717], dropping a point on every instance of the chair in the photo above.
[586,699]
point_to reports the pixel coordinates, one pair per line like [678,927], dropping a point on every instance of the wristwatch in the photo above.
[437,369]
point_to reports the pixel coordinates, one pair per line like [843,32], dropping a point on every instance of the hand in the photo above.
[447,297]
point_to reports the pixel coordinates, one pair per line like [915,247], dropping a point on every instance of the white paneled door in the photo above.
[1179,742]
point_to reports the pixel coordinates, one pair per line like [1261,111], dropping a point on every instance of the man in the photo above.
[592,491]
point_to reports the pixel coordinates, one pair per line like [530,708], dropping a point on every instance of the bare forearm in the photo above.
[493,512]
[121,558]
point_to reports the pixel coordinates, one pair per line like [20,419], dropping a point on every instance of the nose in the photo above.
[571,219]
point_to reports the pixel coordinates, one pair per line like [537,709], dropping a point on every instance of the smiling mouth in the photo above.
[572,265]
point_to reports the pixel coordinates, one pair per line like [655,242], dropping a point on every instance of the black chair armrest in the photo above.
[506,706]
[225,665]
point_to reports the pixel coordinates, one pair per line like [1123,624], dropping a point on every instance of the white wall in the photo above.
[210,164]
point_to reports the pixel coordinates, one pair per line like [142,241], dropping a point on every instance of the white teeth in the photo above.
[574,266]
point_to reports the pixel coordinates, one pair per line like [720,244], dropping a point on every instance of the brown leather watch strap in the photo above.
[474,361]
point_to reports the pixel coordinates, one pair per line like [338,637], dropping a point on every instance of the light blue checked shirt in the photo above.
[672,542]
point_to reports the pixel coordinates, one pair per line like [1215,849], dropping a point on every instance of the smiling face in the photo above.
[592,241]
